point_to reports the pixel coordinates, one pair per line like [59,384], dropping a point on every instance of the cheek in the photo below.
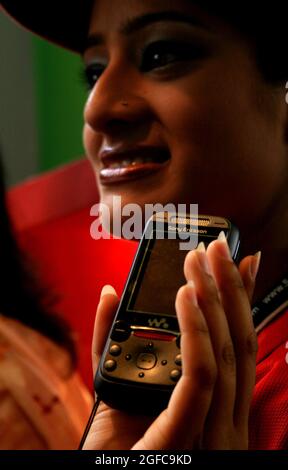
[196,126]
[212,133]
[205,124]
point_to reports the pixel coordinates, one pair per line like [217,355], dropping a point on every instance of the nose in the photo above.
[117,103]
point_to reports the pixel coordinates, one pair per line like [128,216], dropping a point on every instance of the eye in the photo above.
[91,74]
[161,54]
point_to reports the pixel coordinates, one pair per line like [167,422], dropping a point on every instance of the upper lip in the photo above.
[109,156]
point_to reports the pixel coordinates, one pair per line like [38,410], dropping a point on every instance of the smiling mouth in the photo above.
[125,166]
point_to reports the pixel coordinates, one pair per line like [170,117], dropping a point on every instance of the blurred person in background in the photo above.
[43,402]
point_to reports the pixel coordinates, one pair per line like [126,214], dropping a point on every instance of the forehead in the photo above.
[109,15]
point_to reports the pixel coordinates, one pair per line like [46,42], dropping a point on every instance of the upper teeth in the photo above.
[129,162]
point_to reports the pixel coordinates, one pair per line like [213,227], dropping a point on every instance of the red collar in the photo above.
[273,335]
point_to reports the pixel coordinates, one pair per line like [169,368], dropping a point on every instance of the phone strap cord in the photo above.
[90,421]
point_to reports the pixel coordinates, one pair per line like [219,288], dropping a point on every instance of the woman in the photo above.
[44,404]
[201,87]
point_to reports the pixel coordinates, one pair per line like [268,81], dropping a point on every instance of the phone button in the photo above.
[110,365]
[115,350]
[121,331]
[175,375]
[178,360]
[146,361]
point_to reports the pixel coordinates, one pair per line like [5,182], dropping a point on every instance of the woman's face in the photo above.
[179,113]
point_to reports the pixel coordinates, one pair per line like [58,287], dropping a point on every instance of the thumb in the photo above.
[105,314]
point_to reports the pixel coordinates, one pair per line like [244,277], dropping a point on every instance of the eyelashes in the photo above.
[90,75]
[162,54]
[157,57]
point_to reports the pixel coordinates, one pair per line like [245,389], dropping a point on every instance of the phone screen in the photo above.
[159,278]
[160,274]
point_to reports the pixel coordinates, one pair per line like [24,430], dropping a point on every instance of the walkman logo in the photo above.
[162,323]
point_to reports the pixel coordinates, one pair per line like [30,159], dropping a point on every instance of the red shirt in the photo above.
[269,410]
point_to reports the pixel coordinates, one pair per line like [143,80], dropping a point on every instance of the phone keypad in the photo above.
[159,361]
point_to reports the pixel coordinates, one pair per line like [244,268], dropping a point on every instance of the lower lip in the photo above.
[121,175]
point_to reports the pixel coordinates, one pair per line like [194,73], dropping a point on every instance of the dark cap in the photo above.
[62,23]
[66,23]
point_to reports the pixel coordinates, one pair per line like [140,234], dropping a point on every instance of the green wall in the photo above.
[60,97]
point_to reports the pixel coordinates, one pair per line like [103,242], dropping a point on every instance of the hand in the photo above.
[209,407]
[111,429]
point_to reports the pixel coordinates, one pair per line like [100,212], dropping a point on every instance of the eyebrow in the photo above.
[136,24]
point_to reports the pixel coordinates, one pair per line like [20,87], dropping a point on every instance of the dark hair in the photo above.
[265,25]
[21,297]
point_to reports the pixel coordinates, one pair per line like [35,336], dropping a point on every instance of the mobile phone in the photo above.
[141,361]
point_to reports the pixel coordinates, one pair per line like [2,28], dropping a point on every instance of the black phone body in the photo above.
[141,361]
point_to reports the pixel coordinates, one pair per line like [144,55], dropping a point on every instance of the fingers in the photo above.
[181,424]
[221,413]
[192,396]
[105,314]
[224,297]
[236,306]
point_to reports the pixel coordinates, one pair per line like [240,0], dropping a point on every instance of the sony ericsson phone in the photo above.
[141,362]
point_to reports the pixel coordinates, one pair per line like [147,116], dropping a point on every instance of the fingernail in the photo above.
[202,258]
[255,264]
[224,249]
[201,247]
[107,290]
[192,297]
